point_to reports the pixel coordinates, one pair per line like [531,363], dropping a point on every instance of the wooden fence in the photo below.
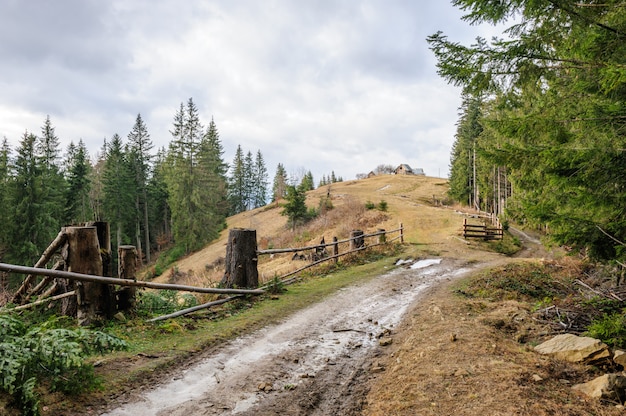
[319,254]
[482,231]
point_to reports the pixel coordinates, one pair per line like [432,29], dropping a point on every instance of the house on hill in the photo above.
[405,169]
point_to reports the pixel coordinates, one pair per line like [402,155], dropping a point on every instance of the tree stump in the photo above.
[104,239]
[241,260]
[127,269]
[83,256]
[357,239]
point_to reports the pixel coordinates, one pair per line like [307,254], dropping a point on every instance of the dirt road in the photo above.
[314,363]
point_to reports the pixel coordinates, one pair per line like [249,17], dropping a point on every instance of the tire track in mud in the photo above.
[315,363]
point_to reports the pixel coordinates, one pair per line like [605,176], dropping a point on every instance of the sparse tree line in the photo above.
[541,137]
[178,195]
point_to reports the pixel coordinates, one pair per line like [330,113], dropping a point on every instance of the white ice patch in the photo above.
[425,263]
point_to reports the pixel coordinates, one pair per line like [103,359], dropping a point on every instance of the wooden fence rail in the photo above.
[324,245]
[482,231]
[357,243]
[11,268]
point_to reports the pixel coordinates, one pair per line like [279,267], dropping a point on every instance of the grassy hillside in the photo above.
[410,201]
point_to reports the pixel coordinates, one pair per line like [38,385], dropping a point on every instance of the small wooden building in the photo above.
[405,169]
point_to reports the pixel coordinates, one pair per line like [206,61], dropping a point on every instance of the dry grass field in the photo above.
[409,199]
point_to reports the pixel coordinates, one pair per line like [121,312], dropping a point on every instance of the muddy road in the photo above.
[315,363]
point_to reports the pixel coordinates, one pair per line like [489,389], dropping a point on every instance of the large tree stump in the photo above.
[104,239]
[127,269]
[241,260]
[93,299]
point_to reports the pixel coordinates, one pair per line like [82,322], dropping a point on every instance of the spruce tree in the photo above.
[212,183]
[237,187]
[159,213]
[28,229]
[307,183]
[260,181]
[48,152]
[6,190]
[187,172]
[77,207]
[140,146]
[555,116]
[119,192]
[279,186]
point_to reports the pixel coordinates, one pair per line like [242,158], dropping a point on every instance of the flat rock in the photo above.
[608,387]
[619,357]
[572,348]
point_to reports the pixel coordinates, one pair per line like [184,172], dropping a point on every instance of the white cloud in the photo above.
[324,85]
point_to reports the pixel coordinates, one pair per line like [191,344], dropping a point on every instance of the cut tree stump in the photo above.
[241,260]
[93,299]
[127,269]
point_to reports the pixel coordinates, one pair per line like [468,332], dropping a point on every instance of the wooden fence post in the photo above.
[382,238]
[357,239]
[401,234]
[93,299]
[241,260]
[335,249]
[127,269]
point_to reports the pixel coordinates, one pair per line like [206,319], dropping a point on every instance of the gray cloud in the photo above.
[320,85]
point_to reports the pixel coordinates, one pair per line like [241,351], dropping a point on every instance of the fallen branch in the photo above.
[193,309]
[39,302]
[56,244]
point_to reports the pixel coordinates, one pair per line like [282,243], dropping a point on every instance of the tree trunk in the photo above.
[241,260]
[146,226]
[83,254]
[127,270]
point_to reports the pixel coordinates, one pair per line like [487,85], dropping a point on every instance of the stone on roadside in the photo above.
[265,386]
[572,348]
[383,342]
[607,387]
[619,357]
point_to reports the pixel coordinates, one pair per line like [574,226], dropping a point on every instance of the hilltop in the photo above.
[412,201]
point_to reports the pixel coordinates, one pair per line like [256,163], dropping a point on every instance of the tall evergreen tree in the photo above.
[556,116]
[77,207]
[237,188]
[140,147]
[260,181]
[249,181]
[212,160]
[28,237]
[186,175]
[119,191]
[307,183]
[463,183]
[160,217]
[48,150]
[279,186]
[6,181]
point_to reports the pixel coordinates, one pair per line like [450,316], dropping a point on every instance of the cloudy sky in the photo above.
[320,85]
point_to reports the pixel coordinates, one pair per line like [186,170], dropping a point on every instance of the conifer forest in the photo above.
[541,138]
